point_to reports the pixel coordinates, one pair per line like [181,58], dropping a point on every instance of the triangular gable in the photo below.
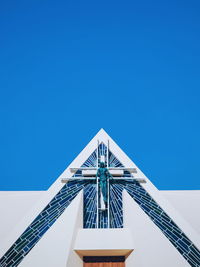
[56,189]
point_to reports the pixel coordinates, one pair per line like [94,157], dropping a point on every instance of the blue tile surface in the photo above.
[116,206]
[90,205]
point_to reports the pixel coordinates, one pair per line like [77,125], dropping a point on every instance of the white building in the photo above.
[69,226]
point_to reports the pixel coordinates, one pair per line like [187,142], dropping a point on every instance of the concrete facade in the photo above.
[66,242]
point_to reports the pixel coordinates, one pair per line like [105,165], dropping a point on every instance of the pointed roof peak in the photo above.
[102,130]
[102,133]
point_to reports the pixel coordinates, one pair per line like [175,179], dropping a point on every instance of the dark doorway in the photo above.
[101,261]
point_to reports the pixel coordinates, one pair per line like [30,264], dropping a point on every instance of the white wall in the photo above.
[55,247]
[13,207]
[91,241]
[186,203]
[152,248]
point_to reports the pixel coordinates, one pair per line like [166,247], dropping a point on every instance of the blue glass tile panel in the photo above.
[91,161]
[103,218]
[42,223]
[90,205]
[113,161]
[116,206]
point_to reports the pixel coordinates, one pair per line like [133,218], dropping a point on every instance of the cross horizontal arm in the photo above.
[131,170]
[140,180]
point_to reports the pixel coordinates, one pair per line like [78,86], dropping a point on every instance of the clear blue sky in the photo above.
[69,68]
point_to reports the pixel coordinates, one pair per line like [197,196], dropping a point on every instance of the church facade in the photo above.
[102,211]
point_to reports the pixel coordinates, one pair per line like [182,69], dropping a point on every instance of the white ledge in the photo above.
[104,242]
